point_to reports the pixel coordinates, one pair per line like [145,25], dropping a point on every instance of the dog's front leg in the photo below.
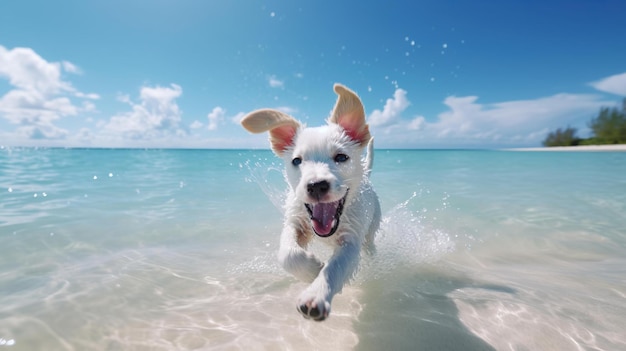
[314,302]
[294,258]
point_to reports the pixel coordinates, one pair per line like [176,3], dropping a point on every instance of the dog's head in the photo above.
[323,164]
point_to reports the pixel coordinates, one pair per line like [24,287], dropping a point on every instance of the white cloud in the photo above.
[88,106]
[87,96]
[417,123]
[39,95]
[85,135]
[238,117]
[392,110]
[275,82]
[196,125]
[155,115]
[615,84]
[125,98]
[30,72]
[215,117]
[467,122]
[218,116]
[70,67]
[468,118]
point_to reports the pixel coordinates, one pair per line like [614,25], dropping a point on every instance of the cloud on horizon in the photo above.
[392,110]
[216,117]
[157,114]
[469,122]
[615,84]
[39,96]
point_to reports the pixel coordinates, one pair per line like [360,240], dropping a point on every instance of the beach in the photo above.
[608,148]
[148,249]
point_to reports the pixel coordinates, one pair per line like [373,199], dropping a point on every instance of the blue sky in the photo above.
[431,74]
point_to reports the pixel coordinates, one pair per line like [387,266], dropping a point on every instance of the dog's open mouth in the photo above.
[325,216]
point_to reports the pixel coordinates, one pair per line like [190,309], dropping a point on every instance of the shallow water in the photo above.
[175,249]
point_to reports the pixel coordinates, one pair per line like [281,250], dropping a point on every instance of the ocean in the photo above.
[176,250]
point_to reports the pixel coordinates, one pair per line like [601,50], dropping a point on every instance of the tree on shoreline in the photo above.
[609,127]
[562,137]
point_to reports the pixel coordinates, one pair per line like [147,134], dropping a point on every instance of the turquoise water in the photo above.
[175,249]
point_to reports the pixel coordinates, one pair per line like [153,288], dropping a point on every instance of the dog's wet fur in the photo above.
[330,197]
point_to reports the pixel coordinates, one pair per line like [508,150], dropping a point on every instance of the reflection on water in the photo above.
[175,249]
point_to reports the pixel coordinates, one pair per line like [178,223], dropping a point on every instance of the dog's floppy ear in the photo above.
[281,126]
[350,115]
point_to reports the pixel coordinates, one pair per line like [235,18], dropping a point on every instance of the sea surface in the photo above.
[176,250]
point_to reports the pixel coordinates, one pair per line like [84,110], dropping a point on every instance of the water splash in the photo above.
[266,175]
[406,239]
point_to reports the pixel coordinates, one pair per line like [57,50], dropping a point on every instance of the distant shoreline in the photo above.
[613,147]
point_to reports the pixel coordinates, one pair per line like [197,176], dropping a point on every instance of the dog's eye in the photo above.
[296,161]
[341,158]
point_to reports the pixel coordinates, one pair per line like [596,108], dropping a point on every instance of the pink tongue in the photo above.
[323,217]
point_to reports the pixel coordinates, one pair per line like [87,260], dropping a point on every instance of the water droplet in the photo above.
[10,190]
[445,45]
[110,175]
[272,14]
[95,177]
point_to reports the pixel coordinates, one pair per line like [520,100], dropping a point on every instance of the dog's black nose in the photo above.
[319,189]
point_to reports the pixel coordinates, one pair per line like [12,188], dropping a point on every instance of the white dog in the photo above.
[330,197]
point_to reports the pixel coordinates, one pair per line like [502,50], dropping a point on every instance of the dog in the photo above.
[330,197]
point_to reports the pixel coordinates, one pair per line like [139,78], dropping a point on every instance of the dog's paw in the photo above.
[317,311]
[312,307]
